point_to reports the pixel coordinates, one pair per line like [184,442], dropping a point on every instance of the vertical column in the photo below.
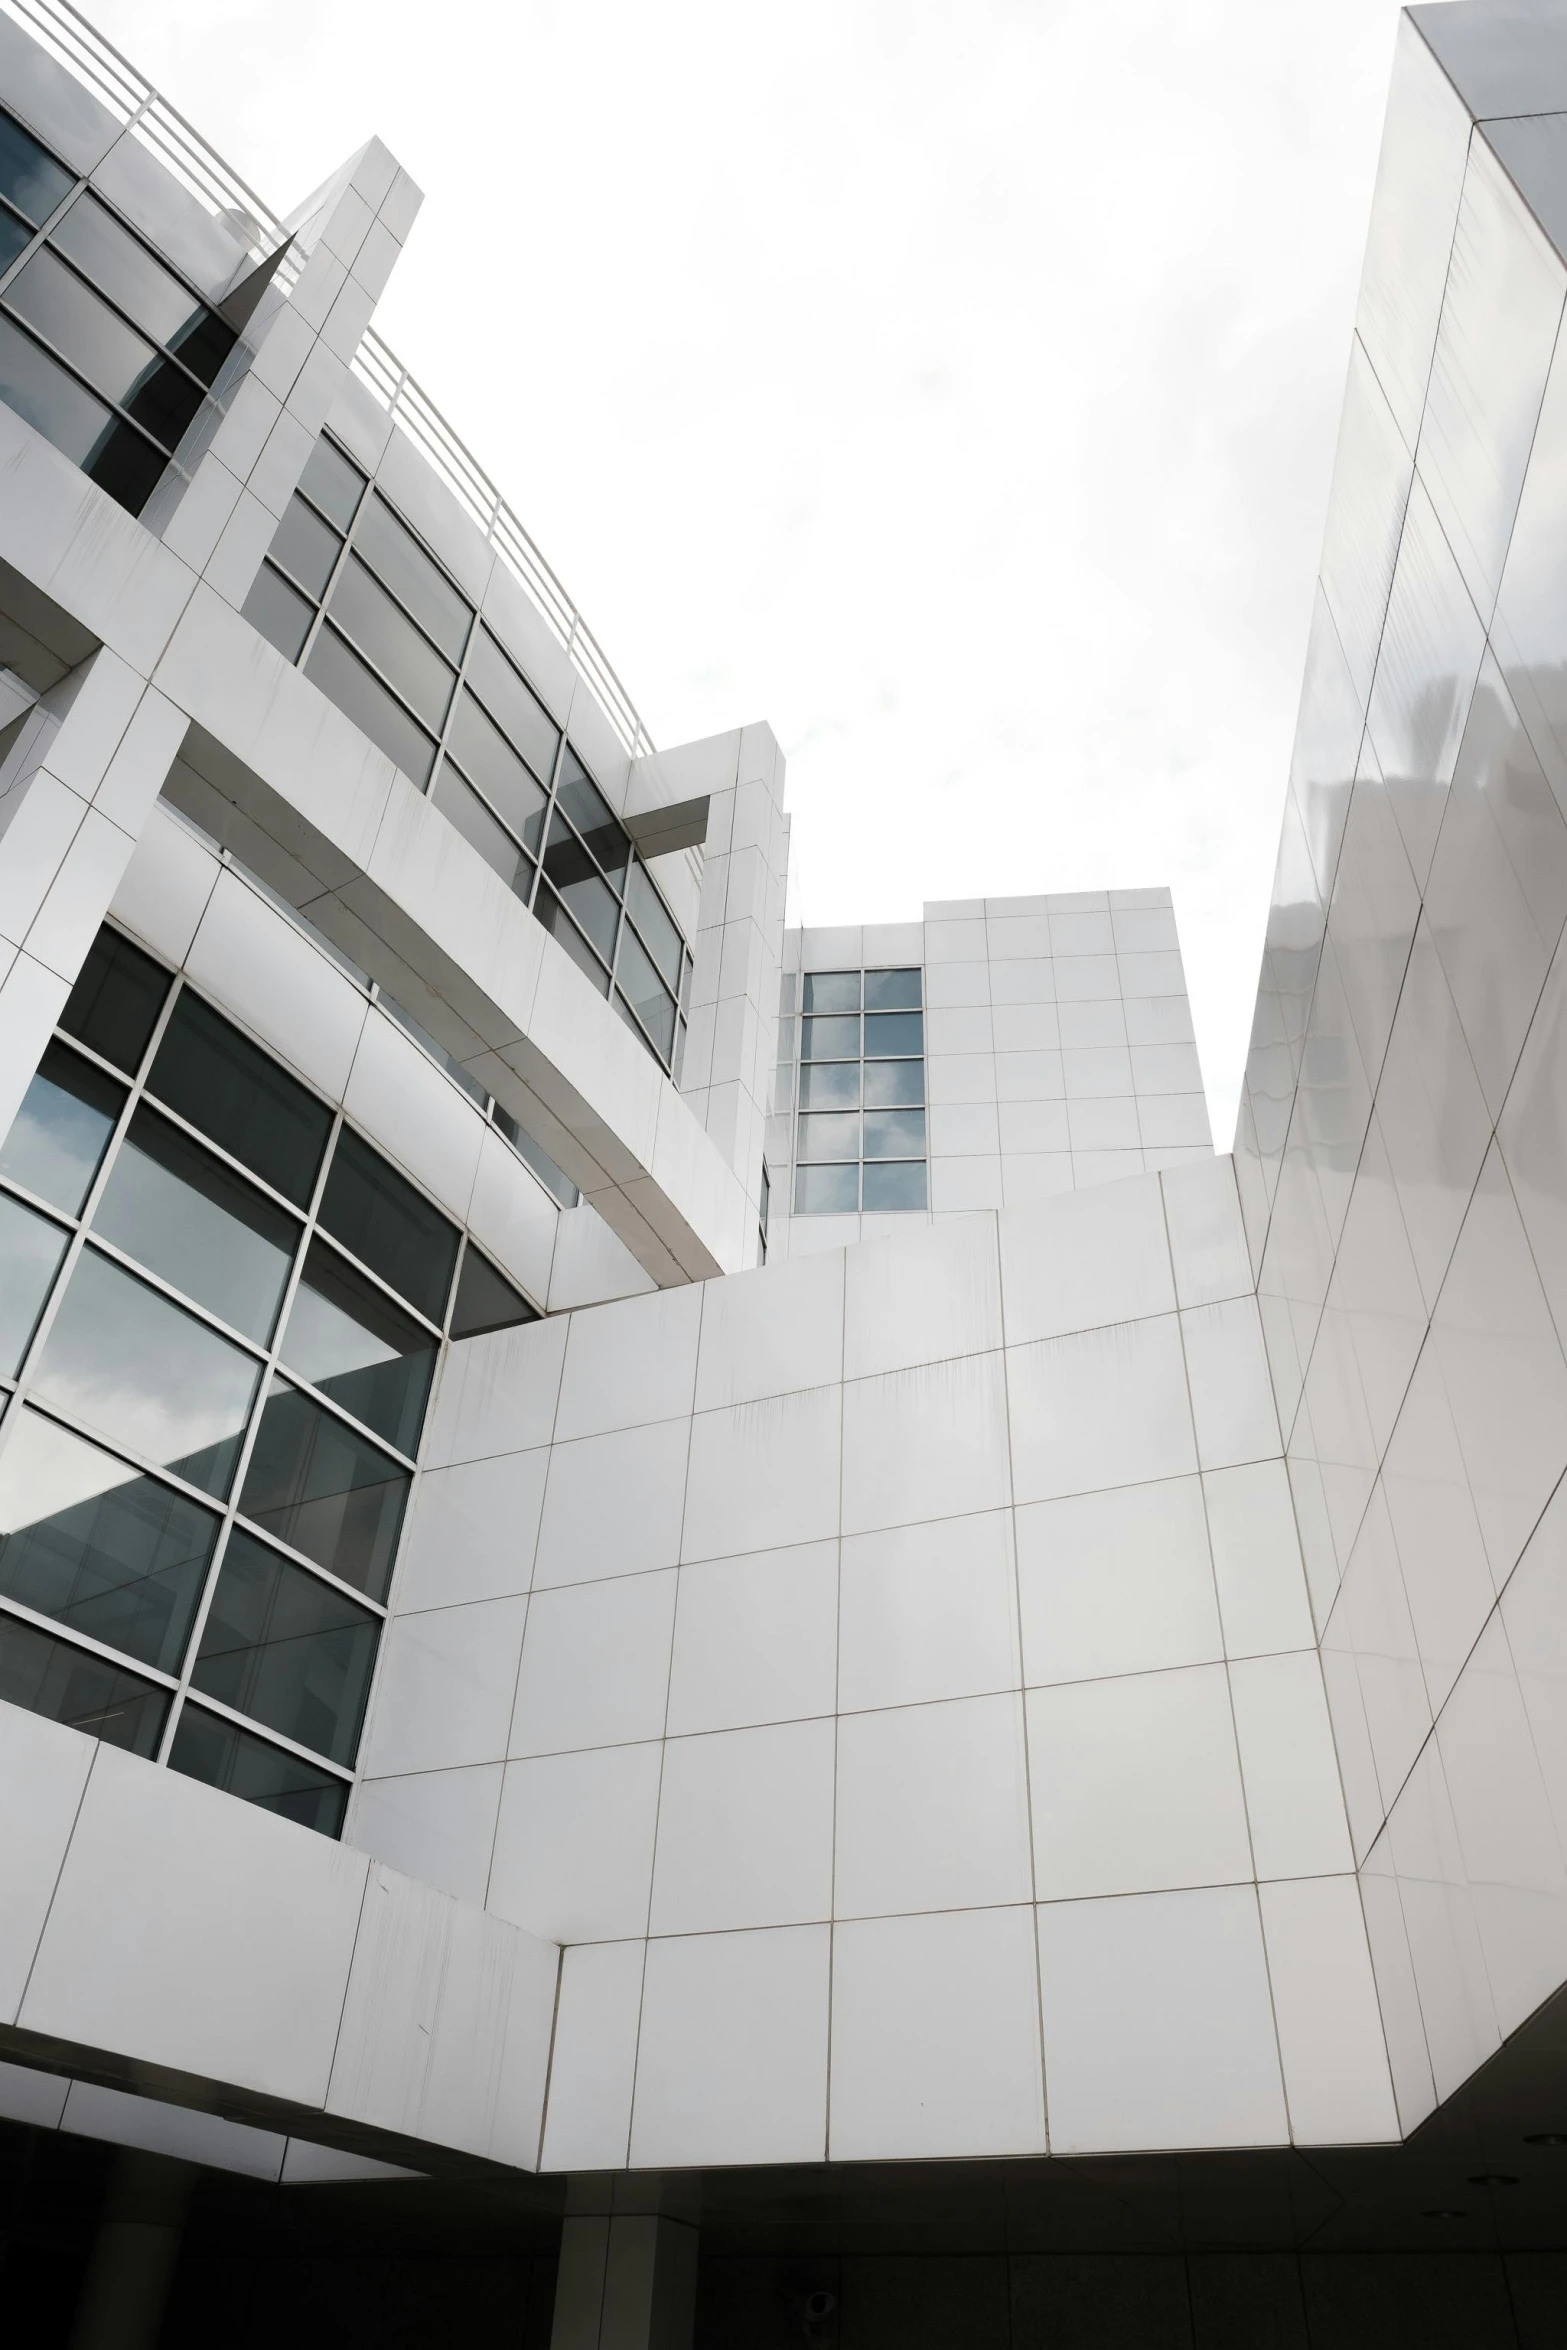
[126,2288]
[625,2283]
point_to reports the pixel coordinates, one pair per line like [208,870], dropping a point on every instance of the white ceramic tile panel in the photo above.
[745,1829]
[593,2063]
[1116,1582]
[1104,1407]
[630,1363]
[52,1763]
[932,1808]
[256,966]
[1294,1800]
[732,2061]
[472,1532]
[764,1475]
[1232,1393]
[1207,1239]
[1094,1258]
[574,1845]
[926,1612]
[771,1332]
[438,1826]
[961,1187]
[920,1297]
[1336,2076]
[612,1504]
[927,1443]
[496,1394]
[935,2037]
[444,1688]
[755,1639]
[1256,1559]
[595,1665]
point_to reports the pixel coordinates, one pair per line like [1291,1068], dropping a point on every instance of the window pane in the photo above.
[239,1097]
[186,1217]
[898,1185]
[559,924]
[137,1369]
[116,361]
[643,988]
[30,178]
[85,1692]
[577,882]
[464,808]
[343,677]
[402,564]
[489,761]
[826,1191]
[486,1300]
[58,1135]
[332,483]
[305,547]
[279,611]
[30,1252]
[115,1003]
[389,1226]
[895,1134]
[830,1138]
[349,1340]
[285,1648]
[122,266]
[590,812]
[109,452]
[380,628]
[832,991]
[893,1084]
[15,236]
[216,1752]
[652,918]
[894,1032]
[513,705]
[532,1154]
[106,1551]
[830,1085]
[830,1040]
[892,991]
[325,1491]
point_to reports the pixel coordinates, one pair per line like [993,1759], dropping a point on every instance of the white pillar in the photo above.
[625,2283]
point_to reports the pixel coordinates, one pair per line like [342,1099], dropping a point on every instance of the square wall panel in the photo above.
[1231,1389]
[745,1830]
[755,1639]
[1336,2074]
[438,1826]
[935,2037]
[1207,1238]
[1117,1582]
[732,2063]
[932,1808]
[927,1443]
[927,1611]
[444,1689]
[629,1363]
[595,1665]
[1263,1604]
[921,1297]
[593,2063]
[1104,1407]
[1294,1798]
[1136,1785]
[574,1847]
[1098,1257]
[472,1532]
[1158,2024]
[612,1505]
[770,1332]
[764,1475]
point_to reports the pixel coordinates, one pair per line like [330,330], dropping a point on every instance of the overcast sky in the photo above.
[954,386]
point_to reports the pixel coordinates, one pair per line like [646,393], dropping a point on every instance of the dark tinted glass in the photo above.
[115,1003]
[389,1226]
[116,361]
[279,611]
[513,705]
[14,234]
[287,1649]
[892,991]
[239,1096]
[830,1040]
[30,1252]
[133,1366]
[894,1032]
[326,1492]
[30,178]
[893,1084]
[589,811]
[832,991]
[486,1300]
[830,1085]
[577,883]
[559,924]
[347,1338]
[86,1540]
[380,628]
[894,1186]
[185,1216]
[85,1692]
[402,564]
[652,918]
[830,1138]
[341,675]
[646,992]
[332,483]
[123,268]
[488,760]
[305,546]
[827,1191]
[109,452]
[464,808]
[895,1134]
[216,1752]
[58,1135]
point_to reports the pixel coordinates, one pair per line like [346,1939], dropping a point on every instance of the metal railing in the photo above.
[116,84]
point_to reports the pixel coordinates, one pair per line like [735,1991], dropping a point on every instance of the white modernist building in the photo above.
[704,1637]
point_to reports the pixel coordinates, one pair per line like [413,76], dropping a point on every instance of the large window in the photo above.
[351,594]
[103,348]
[220,1317]
[860,1124]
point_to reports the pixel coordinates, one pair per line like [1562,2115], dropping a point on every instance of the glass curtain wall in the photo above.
[860,1125]
[350,593]
[104,348]
[221,1312]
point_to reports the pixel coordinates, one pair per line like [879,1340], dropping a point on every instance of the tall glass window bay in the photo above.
[287,1649]
[347,1338]
[860,1126]
[62,1129]
[183,1214]
[325,1491]
[32,1249]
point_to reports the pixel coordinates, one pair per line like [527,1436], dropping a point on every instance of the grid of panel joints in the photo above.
[349,593]
[104,348]
[220,1317]
[860,1123]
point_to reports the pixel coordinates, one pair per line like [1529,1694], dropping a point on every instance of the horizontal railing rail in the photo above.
[115,82]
